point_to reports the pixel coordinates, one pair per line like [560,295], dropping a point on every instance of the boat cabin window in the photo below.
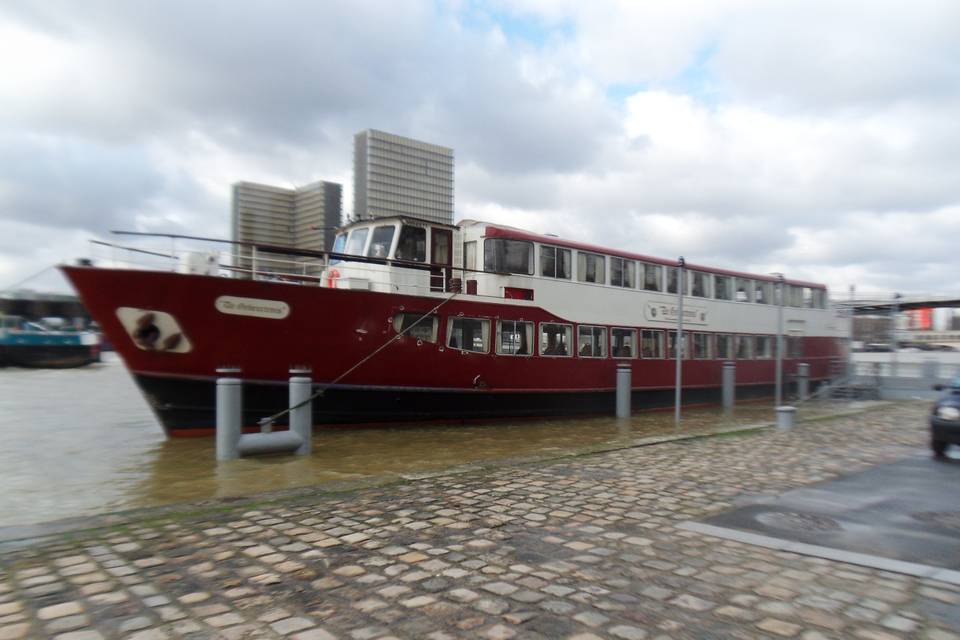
[412,244]
[381,241]
[468,334]
[623,272]
[744,291]
[652,345]
[701,346]
[590,267]
[592,341]
[416,326]
[554,262]
[672,280]
[470,255]
[764,347]
[699,284]
[507,256]
[555,339]
[623,343]
[672,345]
[763,294]
[819,295]
[339,245]
[725,347]
[808,297]
[514,338]
[744,346]
[722,288]
[357,240]
[652,277]
[794,296]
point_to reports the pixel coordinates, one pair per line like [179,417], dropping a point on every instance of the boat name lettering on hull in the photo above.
[253,307]
[668,312]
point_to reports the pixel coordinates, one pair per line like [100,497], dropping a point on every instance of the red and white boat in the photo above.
[464,322]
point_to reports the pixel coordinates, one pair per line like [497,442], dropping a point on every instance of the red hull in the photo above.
[331,330]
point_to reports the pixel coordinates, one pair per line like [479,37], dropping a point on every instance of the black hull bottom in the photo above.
[48,356]
[187,407]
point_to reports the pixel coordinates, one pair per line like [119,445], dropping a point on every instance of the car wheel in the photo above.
[939,448]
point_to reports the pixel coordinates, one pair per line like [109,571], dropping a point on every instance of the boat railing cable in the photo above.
[264,422]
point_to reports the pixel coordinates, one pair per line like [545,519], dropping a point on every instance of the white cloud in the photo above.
[815,138]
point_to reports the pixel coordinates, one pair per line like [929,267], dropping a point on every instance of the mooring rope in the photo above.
[270,419]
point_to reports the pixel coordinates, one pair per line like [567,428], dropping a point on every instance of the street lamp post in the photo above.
[678,344]
[779,380]
[893,334]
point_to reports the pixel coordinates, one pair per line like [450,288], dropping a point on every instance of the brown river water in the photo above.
[82,442]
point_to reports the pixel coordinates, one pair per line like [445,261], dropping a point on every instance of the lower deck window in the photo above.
[555,339]
[701,346]
[592,341]
[514,338]
[744,347]
[416,325]
[725,347]
[672,346]
[623,343]
[652,346]
[468,334]
[764,347]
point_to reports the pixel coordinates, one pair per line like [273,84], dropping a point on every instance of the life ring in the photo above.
[332,275]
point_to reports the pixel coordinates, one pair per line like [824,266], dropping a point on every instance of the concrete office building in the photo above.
[303,218]
[397,176]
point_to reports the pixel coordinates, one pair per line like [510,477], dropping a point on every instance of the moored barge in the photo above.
[407,320]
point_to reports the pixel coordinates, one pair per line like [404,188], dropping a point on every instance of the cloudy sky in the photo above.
[817,138]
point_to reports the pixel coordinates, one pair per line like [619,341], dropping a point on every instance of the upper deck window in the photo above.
[623,272]
[819,295]
[590,267]
[554,262]
[744,292]
[764,293]
[699,284]
[358,239]
[722,288]
[507,256]
[652,277]
[672,280]
[412,244]
[794,296]
[381,241]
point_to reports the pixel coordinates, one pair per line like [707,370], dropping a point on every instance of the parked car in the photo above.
[945,418]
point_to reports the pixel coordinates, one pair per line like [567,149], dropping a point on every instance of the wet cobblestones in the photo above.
[577,548]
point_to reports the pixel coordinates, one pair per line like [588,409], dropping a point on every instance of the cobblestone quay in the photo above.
[581,547]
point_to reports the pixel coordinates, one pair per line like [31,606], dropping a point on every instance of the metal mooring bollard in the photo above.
[229,412]
[729,379]
[301,418]
[624,375]
[803,381]
[785,417]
